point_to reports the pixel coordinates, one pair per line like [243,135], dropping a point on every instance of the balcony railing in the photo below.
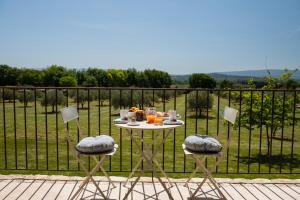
[265,139]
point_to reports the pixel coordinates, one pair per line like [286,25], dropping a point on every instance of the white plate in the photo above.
[167,122]
[120,121]
[177,117]
[133,124]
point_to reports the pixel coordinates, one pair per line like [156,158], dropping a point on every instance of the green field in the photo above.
[121,162]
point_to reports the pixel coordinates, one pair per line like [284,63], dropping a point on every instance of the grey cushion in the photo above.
[98,144]
[202,143]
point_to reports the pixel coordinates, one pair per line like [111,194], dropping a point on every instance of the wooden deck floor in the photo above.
[58,188]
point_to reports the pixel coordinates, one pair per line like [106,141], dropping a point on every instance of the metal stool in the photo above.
[69,114]
[230,115]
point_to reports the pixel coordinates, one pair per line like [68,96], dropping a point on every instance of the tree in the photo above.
[29,77]
[7,94]
[132,77]
[142,80]
[25,96]
[116,77]
[125,101]
[52,100]
[67,81]
[157,79]
[259,83]
[81,76]
[226,84]
[291,84]
[52,75]
[103,96]
[8,75]
[203,102]
[100,75]
[201,81]
[83,96]
[165,95]
[269,110]
[90,81]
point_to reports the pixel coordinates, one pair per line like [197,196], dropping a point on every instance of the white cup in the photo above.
[131,114]
[172,115]
[131,117]
[123,114]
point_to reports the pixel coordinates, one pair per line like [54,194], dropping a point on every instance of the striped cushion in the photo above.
[202,143]
[98,144]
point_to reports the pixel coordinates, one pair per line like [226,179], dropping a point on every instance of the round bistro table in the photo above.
[146,153]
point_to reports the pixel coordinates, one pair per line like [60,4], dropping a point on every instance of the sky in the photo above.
[176,36]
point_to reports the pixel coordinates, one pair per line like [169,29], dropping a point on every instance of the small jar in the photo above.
[139,115]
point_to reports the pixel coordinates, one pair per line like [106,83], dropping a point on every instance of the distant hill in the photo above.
[220,77]
[240,75]
[217,76]
[181,78]
[259,73]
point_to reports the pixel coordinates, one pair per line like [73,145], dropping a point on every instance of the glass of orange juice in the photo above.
[158,121]
[150,119]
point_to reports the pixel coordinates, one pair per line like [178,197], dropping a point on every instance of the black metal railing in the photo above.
[265,137]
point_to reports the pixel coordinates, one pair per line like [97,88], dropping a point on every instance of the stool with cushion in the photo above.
[102,145]
[202,146]
[202,143]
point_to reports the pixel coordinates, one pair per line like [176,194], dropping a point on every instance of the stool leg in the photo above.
[90,174]
[103,171]
[208,175]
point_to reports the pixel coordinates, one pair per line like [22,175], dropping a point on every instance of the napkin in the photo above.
[168,122]
[120,121]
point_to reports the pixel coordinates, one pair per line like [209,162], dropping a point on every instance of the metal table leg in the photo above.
[150,159]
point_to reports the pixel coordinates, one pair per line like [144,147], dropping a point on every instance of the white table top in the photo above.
[145,126]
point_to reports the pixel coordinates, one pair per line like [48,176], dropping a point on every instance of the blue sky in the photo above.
[176,36]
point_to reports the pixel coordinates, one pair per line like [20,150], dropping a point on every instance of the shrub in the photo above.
[25,96]
[52,100]
[202,103]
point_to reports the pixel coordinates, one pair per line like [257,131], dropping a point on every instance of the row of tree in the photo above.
[119,99]
[60,76]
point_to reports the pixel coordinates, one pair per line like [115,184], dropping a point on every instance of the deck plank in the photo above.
[268,192]
[179,191]
[51,189]
[31,190]
[10,188]
[288,191]
[279,192]
[4,183]
[20,189]
[243,192]
[42,191]
[54,191]
[294,187]
[232,192]
[66,190]
[255,192]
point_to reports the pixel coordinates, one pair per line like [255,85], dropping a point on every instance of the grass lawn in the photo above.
[100,121]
